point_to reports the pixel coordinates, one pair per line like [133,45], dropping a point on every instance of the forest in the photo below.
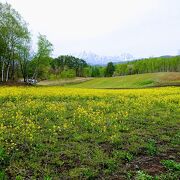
[149,65]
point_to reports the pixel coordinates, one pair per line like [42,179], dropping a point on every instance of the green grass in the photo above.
[133,81]
[63,82]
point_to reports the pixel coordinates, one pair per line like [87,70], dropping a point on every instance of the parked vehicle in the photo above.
[31,81]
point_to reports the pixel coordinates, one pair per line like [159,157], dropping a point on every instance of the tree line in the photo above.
[149,65]
[18,60]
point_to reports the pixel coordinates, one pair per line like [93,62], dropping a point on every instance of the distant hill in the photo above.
[134,81]
[166,56]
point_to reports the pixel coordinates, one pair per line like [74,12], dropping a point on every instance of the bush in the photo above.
[70,73]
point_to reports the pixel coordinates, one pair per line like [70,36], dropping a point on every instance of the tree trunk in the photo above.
[24,78]
[2,71]
[13,70]
[7,73]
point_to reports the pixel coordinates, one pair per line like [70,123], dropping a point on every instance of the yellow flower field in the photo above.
[56,133]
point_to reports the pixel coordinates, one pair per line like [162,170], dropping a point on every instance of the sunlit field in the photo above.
[54,133]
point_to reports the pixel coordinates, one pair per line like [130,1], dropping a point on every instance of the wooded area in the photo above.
[149,65]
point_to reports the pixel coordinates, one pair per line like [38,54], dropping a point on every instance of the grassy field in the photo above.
[133,81]
[68,133]
[63,82]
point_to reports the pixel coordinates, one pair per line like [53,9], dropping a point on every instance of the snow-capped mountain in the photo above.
[95,59]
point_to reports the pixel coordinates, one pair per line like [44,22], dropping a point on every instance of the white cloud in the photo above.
[76,19]
[75,25]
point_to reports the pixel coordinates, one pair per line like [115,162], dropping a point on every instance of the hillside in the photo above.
[133,81]
[63,82]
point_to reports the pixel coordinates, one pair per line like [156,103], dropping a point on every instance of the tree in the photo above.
[109,69]
[24,59]
[95,71]
[63,63]
[13,32]
[42,59]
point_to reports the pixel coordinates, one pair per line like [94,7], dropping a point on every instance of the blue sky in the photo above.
[106,27]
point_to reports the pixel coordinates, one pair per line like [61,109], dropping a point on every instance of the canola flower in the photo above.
[28,108]
[35,118]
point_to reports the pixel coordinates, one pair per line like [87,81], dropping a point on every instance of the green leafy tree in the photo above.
[13,32]
[24,59]
[109,69]
[63,63]
[42,60]
[95,71]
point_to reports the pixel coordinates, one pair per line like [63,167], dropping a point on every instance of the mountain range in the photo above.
[94,59]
